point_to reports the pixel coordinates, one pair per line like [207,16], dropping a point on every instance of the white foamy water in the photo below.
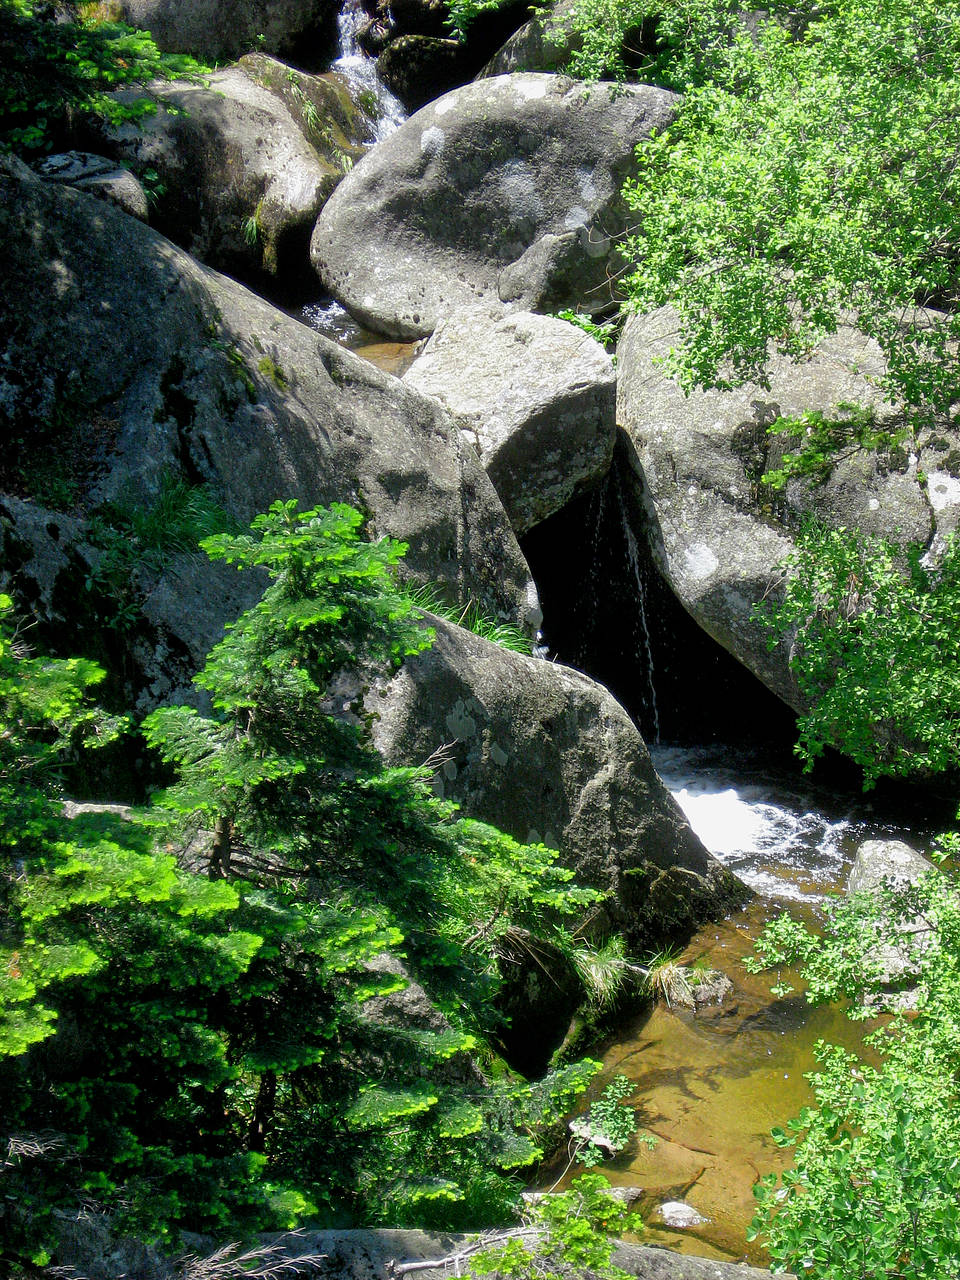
[769,829]
[360,72]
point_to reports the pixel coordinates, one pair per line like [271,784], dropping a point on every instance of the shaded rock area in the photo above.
[219,30]
[412,65]
[416,56]
[98,176]
[542,44]
[507,189]
[366,1254]
[243,162]
[608,610]
[546,754]
[123,361]
[717,533]
[535,395]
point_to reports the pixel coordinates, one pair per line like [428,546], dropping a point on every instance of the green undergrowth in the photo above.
[195,998]
[60,66]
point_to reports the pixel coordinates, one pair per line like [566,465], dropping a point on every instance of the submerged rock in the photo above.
[243,161]
[681,1216]
[507,189]
[717,533]
[535,395]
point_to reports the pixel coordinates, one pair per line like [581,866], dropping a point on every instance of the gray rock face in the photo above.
[223,29]
[717,533]
[893,864]
[544,753]
[122,360]
[880,861]
[542,44]
[244,161]
[535,395]
[98,176]
[504,189]
[364,1254]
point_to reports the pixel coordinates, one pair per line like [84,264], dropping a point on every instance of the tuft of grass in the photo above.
[602,969]
[472,618]
[668,980]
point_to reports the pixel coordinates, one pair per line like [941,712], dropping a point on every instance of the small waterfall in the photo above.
[360,72]
[586,605]
[633,559]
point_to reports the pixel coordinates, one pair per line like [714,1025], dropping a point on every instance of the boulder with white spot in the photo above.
[535,395]
[717,532]
[506,189]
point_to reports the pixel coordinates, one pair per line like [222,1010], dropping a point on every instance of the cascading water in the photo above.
[780,834]
[709,1086]
[385,111]
[643,628]
[384,114]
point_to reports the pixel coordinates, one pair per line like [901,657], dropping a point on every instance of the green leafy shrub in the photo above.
[61,66]
[873,1190]
[570,1231]
[875,647]
[761,216]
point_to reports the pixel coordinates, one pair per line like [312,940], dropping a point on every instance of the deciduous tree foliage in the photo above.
[810,177]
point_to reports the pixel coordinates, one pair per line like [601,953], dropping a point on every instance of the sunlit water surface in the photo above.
[711,1085]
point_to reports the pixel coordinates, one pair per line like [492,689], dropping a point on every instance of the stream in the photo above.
[710,1085]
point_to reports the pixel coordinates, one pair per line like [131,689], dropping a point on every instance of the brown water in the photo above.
[710,1085]
[335,322]
[709,1088]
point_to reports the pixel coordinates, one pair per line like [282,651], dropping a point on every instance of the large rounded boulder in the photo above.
[718,533]
[546,754]
[223,29]
[241,163]
[123,362]
[506,189]
[535,395]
